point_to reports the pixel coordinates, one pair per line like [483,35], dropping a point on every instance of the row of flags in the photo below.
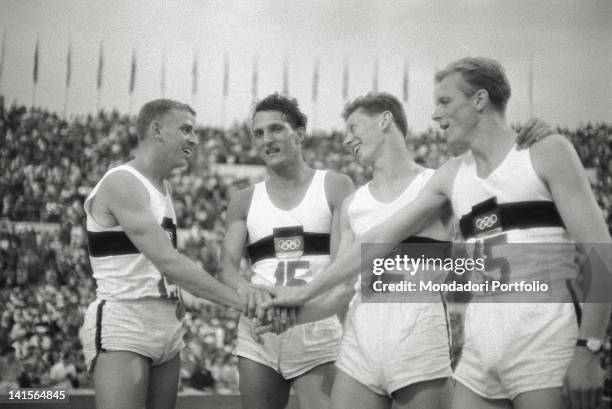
[226,74]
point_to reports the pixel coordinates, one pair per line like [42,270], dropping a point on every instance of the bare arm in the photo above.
[128,201]
[557,163]
[334,300]
[235,239]
[231,255]
[338,188]
[532,131]
[431,203]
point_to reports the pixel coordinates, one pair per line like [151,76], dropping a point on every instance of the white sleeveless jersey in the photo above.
[513,205]
[120,270]
[365,212]
[289,247]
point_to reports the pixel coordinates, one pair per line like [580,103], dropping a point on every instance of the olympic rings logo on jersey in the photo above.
[289,244]
[486,222]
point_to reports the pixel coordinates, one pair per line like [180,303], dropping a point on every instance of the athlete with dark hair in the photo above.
[288,226]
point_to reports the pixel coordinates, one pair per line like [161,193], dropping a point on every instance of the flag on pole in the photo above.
[194,75]
[162,84]
[35,70]
[255,77]
[226,69]
[375,76]
[100,67]
[285,76]
[406,83]
[345,79]
[133,72]
[315,80]
[530,91]
[68,72]
[69,63]
[2,52]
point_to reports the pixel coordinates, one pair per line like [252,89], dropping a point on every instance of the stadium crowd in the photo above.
[49,164]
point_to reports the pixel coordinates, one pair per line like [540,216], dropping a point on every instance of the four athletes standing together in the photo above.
[301,230]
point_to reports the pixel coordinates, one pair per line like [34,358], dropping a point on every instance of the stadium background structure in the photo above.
[48,164]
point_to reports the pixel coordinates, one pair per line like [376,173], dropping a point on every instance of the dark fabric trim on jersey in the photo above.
[517,215]
[315,244]
[441,250]
[577,307]
[423,239]
[110,243]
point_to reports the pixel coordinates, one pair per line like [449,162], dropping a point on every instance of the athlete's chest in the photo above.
[285,198]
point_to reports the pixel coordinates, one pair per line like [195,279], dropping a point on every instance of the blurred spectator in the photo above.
[11,369]
[63,374]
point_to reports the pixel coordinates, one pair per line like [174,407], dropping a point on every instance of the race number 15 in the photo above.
[285,272]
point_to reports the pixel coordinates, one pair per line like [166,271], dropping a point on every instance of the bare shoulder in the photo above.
[337,187]
[120,187]
[551,146]
[442,181]
[118,193]
[347,201]
[553,154]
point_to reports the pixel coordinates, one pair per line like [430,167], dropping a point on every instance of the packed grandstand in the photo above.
[48,165]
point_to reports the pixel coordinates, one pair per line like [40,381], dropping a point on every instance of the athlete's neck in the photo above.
[394,165]
[491,141]
[152,168]
[291,176]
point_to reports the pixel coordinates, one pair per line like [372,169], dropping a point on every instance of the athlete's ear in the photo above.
[481,99]
[385,119]
[301,134]
[155,128]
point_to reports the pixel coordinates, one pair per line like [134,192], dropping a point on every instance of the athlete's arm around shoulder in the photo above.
[124,197]
[557,164]
[430,204]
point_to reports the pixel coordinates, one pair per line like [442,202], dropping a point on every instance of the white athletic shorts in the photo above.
[388,346]
[514,348]
[148,327]
[295,351]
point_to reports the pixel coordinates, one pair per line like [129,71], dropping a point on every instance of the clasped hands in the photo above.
[272,309]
